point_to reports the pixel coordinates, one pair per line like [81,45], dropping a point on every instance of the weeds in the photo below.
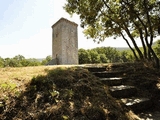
[57,93]
[61,93]
[8,90]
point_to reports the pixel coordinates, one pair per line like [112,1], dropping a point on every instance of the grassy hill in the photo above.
[57,93]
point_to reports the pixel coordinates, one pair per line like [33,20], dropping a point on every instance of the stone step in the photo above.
[108,74]
[153,115]
[122,91]
[96,69]
[112,81]
[137,104]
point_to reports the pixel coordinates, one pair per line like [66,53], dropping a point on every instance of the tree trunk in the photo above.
[136,47]
[134,53]
[143,44]
[149,54]
[156,59]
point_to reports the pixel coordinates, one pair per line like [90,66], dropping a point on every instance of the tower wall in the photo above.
[65,42]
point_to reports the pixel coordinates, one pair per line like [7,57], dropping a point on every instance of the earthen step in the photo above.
[153,115]
[96,69]
[122,91]
[137,104]
[112,81]
[108,74]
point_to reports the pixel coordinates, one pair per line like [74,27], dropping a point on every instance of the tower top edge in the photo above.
[64,19]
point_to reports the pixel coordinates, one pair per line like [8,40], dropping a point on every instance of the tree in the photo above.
[84,56]
[49,58]
[19,60]
[130,19]
[124,56]
[33,62]
[45,61]
[157,48]
[111,53]
[13,63]
[19,57]
[95,58]
[25,63]
[1,62]
[6,62]
[103,58]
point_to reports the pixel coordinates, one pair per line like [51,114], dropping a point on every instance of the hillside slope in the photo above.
[63,93]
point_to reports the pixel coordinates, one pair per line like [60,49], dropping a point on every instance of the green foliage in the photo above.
[124,56]
[103,18]
[132,18]
[84,56]
[45,61]
[20,61]
[8,90]
[69,89]
[95,58]
[1,62]
[104,55]
[157,48]
[103,58]
[8,86]
[33,62]
[39,83]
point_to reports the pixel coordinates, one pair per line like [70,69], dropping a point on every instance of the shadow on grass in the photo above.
[64,94]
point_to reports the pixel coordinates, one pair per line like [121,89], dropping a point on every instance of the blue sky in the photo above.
[25,28]
[22,24]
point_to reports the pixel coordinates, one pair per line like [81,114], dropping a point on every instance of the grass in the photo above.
[63,93]
[56,93]
[18,75]
[21,73]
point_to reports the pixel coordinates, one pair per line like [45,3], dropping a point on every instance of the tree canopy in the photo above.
[21,61]
[104,55]
[130,19]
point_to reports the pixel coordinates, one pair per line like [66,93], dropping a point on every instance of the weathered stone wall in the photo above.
[65,42]
[56,42]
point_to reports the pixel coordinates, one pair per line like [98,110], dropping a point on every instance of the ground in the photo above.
[68,93]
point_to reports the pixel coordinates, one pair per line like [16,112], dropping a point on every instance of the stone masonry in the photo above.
[64,42]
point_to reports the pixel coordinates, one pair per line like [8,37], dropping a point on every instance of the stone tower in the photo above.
[64,42]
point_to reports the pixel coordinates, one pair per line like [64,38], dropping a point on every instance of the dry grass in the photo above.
[64,93]
[25,74]
[71,93]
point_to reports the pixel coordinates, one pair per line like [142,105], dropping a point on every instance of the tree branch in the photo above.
[149,22]
[129,46]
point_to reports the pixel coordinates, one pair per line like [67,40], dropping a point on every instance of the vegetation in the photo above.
[71,93]
[110,55]
[90,56]
[21,61]
[157,48]
[132,20]
[66,93]
[104,55]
